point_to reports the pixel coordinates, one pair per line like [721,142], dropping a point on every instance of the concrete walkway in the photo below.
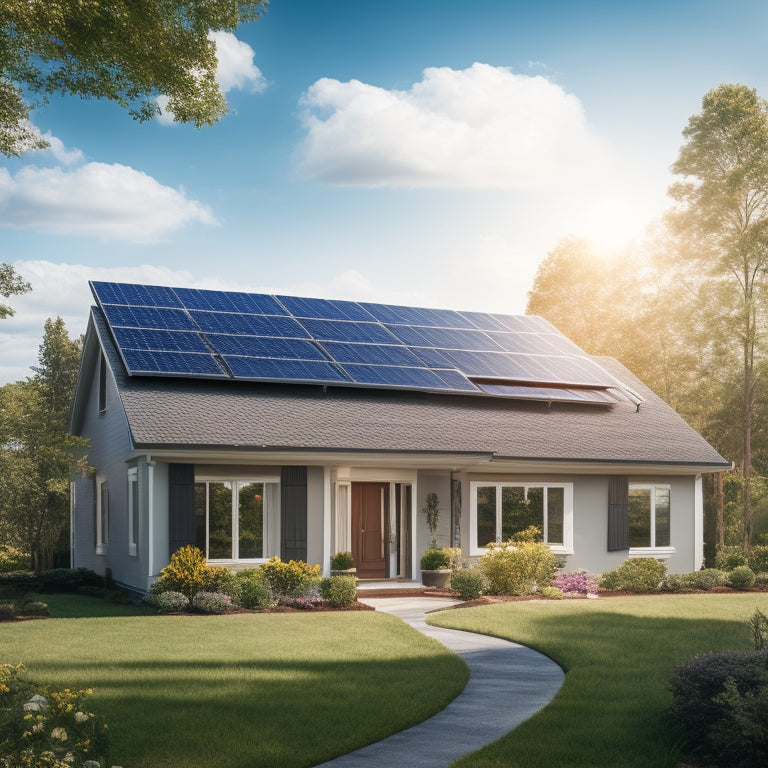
[508,683]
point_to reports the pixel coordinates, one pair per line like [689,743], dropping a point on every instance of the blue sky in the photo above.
[424,152]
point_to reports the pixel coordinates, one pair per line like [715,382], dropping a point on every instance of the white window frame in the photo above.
[133,511]
[102,516]
[270,530]
[566,548]
[661,553]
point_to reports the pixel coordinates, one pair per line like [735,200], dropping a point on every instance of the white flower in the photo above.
[80,717]
[37,727]
[59,733]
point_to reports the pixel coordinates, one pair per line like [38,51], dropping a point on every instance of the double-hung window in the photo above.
[649,517]
[237,519]
[498,511]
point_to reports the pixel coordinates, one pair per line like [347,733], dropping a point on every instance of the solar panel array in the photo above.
[164,331]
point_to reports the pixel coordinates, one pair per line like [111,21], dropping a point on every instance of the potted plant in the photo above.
[342,564]
[435,568]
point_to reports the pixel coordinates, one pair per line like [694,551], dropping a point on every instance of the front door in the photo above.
[370,515]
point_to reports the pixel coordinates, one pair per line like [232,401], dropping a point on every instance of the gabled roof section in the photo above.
[187,333]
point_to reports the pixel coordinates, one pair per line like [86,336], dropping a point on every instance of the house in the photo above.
[254,425]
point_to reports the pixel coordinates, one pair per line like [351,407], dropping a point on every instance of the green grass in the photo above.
[243,690]
[618,655]
[68,605]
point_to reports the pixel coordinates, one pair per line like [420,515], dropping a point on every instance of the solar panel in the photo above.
[192,332]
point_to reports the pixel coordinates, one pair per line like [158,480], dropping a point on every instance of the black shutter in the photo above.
[618,513]
[181,506]
[293,513]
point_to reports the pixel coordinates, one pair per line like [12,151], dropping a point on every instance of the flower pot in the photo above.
[438,579]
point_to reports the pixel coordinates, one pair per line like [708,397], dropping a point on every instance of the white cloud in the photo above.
[112,202]
[56,146]
[476,128]
[235,70]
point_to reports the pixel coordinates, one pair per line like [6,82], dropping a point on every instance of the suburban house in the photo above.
[254,425]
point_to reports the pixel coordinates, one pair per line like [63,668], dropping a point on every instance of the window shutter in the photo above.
[618,513]
[181,506]
[293,513]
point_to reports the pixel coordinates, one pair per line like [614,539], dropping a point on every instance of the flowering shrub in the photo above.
[292,579]
[54,730]
[580,582]
[338,590]
[167,602]
[187,572]
[211,602]
[516,567]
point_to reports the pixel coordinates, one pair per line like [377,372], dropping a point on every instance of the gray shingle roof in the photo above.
[178,413]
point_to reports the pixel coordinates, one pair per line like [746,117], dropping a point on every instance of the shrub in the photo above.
[761,579]
[68,579]
[675,582]
[255,591]
[211,602]
[741,577]
[552,593]
[226,582]
[187,572]
[758,626]
[720,703]
[706,578]
[455,558]
[168,602]
[342,561]
[7,611]
[12,559]
[292,579]
[34,608]
[641,574]
[18,581]
[729,558]
[338,591]
[758,559]
[514,568]
[579,582]
[435,559]
[468,582]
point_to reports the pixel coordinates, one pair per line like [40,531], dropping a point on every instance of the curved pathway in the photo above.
[508,683]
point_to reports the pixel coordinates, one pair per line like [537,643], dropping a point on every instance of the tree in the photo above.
[722,218]
[11,284]
[36,453]
[128,51]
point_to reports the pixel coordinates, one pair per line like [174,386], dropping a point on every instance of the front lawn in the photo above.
[242,690]
[618,654]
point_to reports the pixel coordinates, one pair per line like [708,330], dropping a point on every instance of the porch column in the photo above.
[327,521]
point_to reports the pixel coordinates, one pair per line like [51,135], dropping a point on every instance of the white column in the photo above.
[698,523]
[327,520]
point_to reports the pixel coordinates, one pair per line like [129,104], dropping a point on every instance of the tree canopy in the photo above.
[11,284]
[127,51]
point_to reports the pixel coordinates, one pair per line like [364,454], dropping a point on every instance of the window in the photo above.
[649,516]
[237,519]
[133,511]
[102,517]
[498,511]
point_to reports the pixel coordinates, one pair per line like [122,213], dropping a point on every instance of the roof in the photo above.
[179,413]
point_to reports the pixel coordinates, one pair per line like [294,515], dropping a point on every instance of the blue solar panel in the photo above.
[394,376]
[248,325]
[377,354]
[325,309]
[257,346]
[178,341]
[309,371]
[174,331]
[174,363]
[339,330]
[148,317]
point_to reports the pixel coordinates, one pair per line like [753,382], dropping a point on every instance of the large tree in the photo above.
[36,453]
[722,218]
[128,51]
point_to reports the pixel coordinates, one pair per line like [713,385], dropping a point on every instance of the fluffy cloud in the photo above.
[235,70]
[107,201]
[482,127]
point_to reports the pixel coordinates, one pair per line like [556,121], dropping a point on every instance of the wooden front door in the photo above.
[370,515]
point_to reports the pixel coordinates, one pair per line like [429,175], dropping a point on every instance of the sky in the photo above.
[421,152]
